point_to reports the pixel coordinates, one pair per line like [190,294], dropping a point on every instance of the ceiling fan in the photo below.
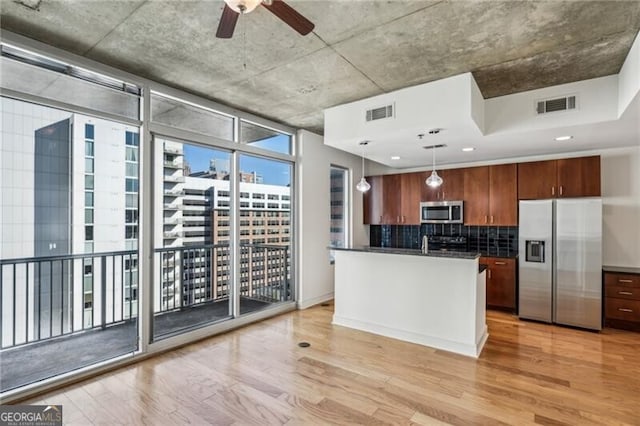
[233,9]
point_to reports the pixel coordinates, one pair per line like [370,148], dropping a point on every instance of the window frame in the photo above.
[147,129]
[346,206]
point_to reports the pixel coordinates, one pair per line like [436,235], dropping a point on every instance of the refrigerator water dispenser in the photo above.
[535,251]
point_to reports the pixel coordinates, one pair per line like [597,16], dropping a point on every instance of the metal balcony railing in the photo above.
[184,269]
[173,164]
[46,297]
[172,150]
[171,178]
[173,192]
[43,298]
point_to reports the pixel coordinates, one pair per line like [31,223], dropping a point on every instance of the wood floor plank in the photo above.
[528,373]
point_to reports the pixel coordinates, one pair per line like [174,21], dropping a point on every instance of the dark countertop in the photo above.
[621,269]
[413,252]
[512,256]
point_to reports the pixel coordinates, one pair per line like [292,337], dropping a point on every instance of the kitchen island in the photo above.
[435,299]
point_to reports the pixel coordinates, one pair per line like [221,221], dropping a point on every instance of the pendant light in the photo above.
[363,185]
[434,180]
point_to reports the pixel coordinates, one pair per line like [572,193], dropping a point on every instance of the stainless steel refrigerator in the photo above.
[560,261]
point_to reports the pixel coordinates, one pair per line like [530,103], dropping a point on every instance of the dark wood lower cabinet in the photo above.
[501,282]
[622,300]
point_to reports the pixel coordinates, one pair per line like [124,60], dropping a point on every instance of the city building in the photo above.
[77,155]
[196,223]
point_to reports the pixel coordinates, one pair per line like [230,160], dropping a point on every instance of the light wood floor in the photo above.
[528,373]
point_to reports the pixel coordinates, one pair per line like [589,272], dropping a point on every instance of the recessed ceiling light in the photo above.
[468,149]
[395,157]
[564,138]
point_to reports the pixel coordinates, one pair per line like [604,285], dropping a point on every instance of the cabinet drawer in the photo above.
[623,280]
[621,292]
[498,261]
[628,310]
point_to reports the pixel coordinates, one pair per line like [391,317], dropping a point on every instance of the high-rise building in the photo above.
[196,231]
[79,175]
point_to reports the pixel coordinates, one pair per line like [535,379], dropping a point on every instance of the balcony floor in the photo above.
[38,361]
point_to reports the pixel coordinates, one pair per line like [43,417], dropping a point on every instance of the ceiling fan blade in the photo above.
[227,23]
[290,16]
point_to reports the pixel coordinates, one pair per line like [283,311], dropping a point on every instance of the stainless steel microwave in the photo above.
[442,212]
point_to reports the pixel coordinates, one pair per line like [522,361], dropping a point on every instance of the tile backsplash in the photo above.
[488,240]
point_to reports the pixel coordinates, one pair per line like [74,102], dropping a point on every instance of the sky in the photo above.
[273,172]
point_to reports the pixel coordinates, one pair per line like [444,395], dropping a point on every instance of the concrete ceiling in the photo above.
[358,48]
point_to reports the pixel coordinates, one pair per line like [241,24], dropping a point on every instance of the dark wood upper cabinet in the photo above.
[491,195]
[476,196]
[453,185]
[411,184]
[392,197]
[503,195]
[537,180]
[570,177]
[452,188]
[372,201]
[579,177]
[428,193]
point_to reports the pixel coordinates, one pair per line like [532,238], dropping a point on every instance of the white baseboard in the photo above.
[470,349]
[304,304]
[482,341]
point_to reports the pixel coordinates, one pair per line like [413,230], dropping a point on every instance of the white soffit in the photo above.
[607,115]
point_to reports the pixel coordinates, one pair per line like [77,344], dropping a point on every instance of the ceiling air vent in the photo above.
[557,104]
[380,113]
[440,145]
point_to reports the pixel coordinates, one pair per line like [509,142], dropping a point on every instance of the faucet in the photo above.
[425,244]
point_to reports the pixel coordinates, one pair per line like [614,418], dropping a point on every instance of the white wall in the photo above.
[620,169]
[315,275]
[442,103]
[597,101]
[477,105]
[629,77]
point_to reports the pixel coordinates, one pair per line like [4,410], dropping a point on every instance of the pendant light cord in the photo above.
[433,156]
[244,44]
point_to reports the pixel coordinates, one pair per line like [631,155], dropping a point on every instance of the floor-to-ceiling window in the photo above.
[192,234]
[223,216]
[69,211]
[265,227]
[82,257]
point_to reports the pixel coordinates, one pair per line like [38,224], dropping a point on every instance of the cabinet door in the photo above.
[503,195]
[452,188]
[391,199]
[476,196]
[453,185]
[579,177]
[429,193]
[501,283]
[537,180]
[411,184]
[372,201]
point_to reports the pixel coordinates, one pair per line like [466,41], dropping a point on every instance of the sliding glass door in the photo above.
[193,258]
[265,232]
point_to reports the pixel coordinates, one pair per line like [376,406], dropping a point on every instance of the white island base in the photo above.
[429,300]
